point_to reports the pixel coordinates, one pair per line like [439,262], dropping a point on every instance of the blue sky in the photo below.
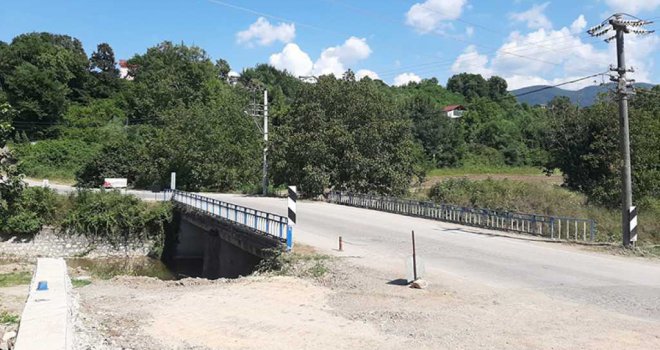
[526,42]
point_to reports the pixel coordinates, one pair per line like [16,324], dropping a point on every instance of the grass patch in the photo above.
[15,279]
[77,283]
[6,318]
[484,170]
[302,264]
[108,268]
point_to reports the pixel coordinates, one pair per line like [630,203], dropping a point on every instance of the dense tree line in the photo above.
[584,144]
[180,111]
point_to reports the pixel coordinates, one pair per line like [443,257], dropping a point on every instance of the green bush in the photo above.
[33,208]
[23,223]
[119,158]
[54,159]
[113,217]
[44,202]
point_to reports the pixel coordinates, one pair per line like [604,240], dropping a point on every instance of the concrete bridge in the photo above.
[220,239]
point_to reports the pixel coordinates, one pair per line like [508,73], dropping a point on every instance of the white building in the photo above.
[123,70]
[454,111]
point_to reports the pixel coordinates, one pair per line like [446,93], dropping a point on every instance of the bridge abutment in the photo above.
[209,246]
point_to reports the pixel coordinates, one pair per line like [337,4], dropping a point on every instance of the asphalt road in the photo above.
[626,285]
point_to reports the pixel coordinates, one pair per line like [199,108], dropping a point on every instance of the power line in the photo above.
[492,30]
[263,14]
[560,84]
[506,52]
[426,67]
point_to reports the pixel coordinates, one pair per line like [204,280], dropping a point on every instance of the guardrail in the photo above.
[264,222]
[554,227]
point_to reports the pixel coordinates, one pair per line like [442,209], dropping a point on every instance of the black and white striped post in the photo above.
[293,197]
[632,222]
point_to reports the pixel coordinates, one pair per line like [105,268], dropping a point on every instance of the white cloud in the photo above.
[534,17]
[554,56]
[579,24]
[644,48]
[292,59]
[430,15]
[633,6]
[472,62]
[264,33]
[405,78]
[366,73]
[333,60]
[469,31]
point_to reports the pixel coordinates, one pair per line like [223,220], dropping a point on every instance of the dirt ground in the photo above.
[12,298]
[350,307]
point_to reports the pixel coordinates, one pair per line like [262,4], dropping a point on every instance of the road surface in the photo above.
[630,286]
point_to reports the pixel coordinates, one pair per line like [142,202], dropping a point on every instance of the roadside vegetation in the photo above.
[15,279]
[545,199]
[108,268]
[303,263]
[68,115]
[7,318]
[78,283]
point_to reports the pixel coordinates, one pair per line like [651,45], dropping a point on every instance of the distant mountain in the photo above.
[583,97]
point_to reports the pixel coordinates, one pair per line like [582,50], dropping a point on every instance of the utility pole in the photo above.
[255,111]
[622,26]
[265,132]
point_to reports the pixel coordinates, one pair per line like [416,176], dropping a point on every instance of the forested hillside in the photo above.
[73,118]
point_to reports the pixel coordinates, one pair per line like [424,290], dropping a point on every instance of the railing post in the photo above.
[592,229]
[552,227]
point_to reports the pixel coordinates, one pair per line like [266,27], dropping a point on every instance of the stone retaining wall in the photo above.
[48,243]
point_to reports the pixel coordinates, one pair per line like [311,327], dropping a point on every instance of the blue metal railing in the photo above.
[264,222]
[554,227]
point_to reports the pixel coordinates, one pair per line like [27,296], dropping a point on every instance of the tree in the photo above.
[104,70]
[348,135]
[103,60]
[583,144]
[441,137]
[41,73]
[497,87]
[210,145]
[469,85]
[11,186]
[223,69]
[168,76]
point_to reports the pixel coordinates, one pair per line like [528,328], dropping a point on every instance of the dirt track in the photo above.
[350,308]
